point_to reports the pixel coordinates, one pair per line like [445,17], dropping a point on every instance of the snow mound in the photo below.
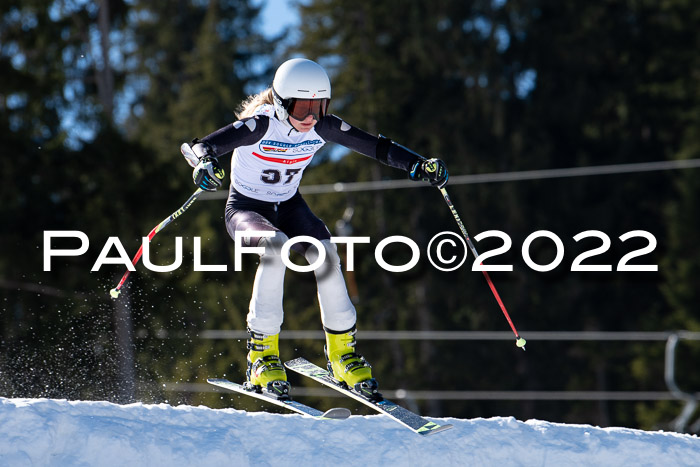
[65,433]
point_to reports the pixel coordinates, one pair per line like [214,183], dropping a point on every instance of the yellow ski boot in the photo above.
[265,370]
[347,367]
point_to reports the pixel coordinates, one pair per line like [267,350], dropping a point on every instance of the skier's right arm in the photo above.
[208,173]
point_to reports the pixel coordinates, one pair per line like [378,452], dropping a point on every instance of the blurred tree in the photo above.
[55,325]
[493,86]
[81,91]
[613,85]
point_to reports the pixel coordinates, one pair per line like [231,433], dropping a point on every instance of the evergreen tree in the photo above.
[497,86]
[96,136]
[55,324]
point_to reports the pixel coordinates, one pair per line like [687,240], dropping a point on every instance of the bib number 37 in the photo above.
[274,176]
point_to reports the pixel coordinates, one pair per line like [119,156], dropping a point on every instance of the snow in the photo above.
[50,432]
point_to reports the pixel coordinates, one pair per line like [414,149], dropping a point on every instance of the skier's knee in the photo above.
[330,250]
[331,262]
[332,256]
[273,245]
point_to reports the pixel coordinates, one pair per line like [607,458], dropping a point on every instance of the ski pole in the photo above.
[115,291]
[192,160]
[520,342]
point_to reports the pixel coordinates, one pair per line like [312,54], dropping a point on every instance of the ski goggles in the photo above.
[299,109]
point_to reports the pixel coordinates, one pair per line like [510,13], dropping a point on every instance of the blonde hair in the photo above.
[248,106]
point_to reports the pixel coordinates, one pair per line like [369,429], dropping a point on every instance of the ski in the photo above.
[400,414]
[337,413]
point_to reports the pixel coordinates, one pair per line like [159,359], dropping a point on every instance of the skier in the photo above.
[277,133]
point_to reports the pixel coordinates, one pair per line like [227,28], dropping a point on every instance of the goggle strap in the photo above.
[285,102]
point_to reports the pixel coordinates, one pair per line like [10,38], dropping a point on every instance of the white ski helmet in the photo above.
[301,87]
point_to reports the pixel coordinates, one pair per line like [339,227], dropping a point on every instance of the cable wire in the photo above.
[342,187]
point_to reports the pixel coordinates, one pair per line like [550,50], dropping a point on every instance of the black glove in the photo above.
[430,170]
[208,174]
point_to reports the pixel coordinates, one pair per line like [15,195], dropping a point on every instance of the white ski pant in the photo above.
[266,314]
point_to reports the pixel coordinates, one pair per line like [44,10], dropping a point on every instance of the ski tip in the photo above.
[115,292]
[436,429]
[216,380]
[337,413]
[295,362]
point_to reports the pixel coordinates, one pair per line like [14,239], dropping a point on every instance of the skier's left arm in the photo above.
[333,129]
